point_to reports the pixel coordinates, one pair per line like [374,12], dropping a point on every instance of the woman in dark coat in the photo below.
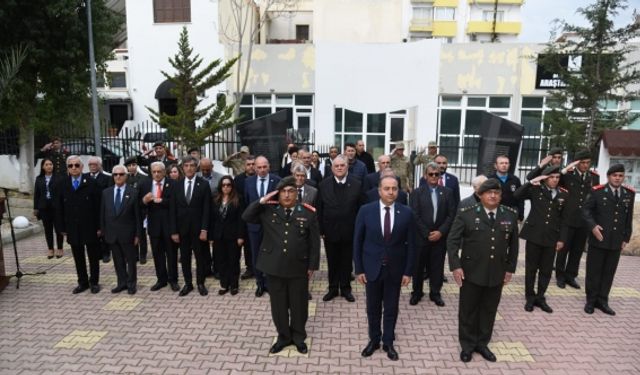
[43,198]
[227,232]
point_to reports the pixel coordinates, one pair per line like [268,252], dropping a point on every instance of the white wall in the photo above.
[284,25]
[151,44]
[377,78]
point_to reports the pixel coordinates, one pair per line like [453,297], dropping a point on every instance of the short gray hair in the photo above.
[113,170]
[189,159]
[477,181]
[97,159]
[74,157]
[343,158]
[158,164]
[432,165]
[387,172]
[297,167]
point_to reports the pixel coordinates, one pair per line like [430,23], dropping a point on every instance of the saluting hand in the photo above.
[264,199]
[458,276]
[597,233]
[570,167]
[536,181]
[545,161]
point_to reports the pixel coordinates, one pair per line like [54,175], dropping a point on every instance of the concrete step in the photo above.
[21,205]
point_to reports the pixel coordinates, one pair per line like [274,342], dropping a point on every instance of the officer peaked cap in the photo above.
[551,169]
[490,184]
[582,154]
[556,150]
[616,168]
[287,181]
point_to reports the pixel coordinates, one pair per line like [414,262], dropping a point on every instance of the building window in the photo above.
[117,80]
[488,15]
[302,32]
[459,124]
[300,118]
[167,11]
[377,130]
[631,170]
[422,15]
[444,14]
[534,140]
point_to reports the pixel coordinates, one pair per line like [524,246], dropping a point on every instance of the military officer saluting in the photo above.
[608,213]
[545,232]
[487,236]
[289,253]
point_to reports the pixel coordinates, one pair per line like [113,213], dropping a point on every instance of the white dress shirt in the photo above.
[391,215]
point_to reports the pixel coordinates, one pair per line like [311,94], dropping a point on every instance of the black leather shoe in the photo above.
[561,284]
[222,292]
[278,346]
[185,290]
[486,354]
[259,291]
[158,286]
[528,306]
[234,291]
[544,307]
[348,296]
[330,295]
[588,308]
[246,275]
[370,348]
[175,287]
[302,348]
[143,260]
[132,290]
[118,289]
[465,356]
[95,288]
[415,298]
[605,309]
[202,290]
[106,258]
[437,300]
[573,283]
[391,352]
[80,289]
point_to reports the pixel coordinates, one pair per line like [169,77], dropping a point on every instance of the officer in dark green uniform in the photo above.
[289,253]
[608,213]
[545,231]
[487,236]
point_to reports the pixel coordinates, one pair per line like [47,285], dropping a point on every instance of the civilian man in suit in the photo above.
[135,179]
[434,210]
[357,169]
[213,178]
[289,256]
[158,196]
[238,183]
[338,203]
[256,187]
[306,193]
[608,213]
[373,193]
[373,179]
[473,199]
[364,156]
[446,179]
[77,215]
[103,181]
[509,184]
[313,175]
[333,152]
[487,235]
[121,228]
[193,202]
[578,179]
[383,256]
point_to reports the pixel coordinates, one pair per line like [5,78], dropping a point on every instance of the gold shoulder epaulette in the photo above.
[598,187]
[465,209]
[594,172]
[510,208]
[629,187]
[309,207]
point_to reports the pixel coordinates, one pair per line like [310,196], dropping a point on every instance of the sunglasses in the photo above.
[118,174]
[433,174]
[73,165]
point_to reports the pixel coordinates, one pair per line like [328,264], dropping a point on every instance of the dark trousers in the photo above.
[538,260]
[568,259]
[213,260]
[601,269]
[142,245]
[432,256]
[165,259]
[477,314]
[383,296]
[104,248]
[339,261]
[255,239]
[48,222]
[187,245]
[246,249]
[289,307]
[229,262]
[124,260]
[94,255]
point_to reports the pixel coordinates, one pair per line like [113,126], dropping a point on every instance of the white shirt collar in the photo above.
[341,181]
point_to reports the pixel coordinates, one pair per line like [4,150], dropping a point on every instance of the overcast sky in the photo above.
[537,16]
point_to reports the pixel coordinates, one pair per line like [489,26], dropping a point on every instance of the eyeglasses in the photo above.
[118,174]
[73,165]
[433,174]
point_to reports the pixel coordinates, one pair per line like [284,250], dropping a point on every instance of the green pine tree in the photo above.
[578,115]
[192,123]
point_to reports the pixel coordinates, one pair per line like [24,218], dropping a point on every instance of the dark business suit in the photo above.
[309,195]
[43,201]
[313,178]
[103,181]
[431,254]
[191,218]
[161,224]
[120,226]
[78,215]
[372,180]
[238,182]
[450,181]
[252,194]
[338,206]
[136,181]
[225,228]
[384,262]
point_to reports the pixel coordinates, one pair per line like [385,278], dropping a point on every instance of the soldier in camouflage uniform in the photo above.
[402,167]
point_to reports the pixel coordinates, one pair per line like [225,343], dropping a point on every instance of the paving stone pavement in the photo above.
[46,329]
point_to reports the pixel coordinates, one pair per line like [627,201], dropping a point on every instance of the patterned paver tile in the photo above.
[515,351]
[123,304]
[80,339]
[312,309]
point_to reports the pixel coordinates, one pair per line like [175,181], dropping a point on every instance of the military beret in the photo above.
[582,154]
[131,160]
[556,150]
[616,168]
[551,169]
[490,184]
[159,143]
[287,181]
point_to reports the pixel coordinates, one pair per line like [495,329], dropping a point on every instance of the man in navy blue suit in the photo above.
[383,253]
[446,179]
[256,187]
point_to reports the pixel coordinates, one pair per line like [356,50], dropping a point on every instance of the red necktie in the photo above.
[441,181]
[158,190]
[387,225]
